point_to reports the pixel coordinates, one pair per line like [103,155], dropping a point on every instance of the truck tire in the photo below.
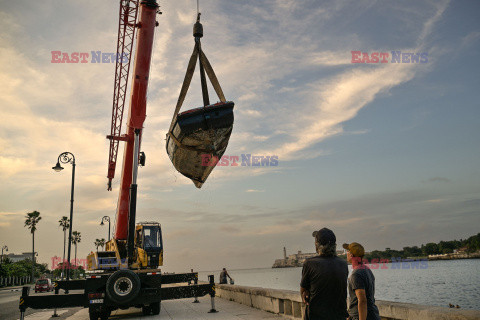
[155,307]
[123,286]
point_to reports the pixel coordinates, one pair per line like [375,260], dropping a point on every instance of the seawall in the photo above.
[289,303]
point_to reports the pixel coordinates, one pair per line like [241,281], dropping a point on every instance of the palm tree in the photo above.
[102,243]
[31,221]
[65,224]
[76,238]
[99,243]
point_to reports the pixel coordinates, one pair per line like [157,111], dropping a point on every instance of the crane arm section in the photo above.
[126,34]
[137,111]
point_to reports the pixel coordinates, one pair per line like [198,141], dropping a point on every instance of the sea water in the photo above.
[439,284]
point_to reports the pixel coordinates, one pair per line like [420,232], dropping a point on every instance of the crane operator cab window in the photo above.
[152,237]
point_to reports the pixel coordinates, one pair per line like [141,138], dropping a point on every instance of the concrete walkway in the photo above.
[182,309]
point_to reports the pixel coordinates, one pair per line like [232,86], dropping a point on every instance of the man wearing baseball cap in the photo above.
[361,286]
[324,280]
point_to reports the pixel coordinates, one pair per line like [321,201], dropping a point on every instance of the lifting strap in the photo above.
[204,64]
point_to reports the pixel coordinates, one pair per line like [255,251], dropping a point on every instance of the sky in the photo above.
[385,154]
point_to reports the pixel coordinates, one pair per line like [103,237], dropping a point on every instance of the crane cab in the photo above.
[148,245]
[148,251]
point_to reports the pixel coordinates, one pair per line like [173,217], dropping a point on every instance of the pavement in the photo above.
[18,288]
[183,309]
[9,299]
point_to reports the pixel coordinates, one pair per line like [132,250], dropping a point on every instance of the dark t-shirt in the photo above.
[223,277]
[362,278]
[326,280]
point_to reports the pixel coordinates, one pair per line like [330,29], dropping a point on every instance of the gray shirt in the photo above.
[362,278]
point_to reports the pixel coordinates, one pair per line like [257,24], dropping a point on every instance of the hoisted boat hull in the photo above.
[199,135]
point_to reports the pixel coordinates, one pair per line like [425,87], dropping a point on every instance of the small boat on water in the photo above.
[199,135]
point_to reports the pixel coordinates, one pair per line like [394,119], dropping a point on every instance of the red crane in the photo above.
[121,283]
[145,27]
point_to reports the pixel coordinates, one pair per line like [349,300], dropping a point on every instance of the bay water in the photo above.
[436,283]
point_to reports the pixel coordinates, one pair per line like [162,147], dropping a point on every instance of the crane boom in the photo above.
[126,34]
[137,110]
[129,275]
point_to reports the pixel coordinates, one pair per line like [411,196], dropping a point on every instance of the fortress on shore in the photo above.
[296,259]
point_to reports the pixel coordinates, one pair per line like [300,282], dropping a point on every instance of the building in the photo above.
[19,257]
[297,259]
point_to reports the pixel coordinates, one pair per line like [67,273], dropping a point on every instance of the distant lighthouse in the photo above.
[284,253]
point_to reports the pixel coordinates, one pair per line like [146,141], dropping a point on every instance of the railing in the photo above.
[14,281]
[289,303]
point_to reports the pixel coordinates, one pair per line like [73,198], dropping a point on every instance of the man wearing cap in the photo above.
[361,286]
[324,280]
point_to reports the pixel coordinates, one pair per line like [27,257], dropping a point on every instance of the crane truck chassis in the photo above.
[121,289]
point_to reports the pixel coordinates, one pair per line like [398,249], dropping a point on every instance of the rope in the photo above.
[188,79]
[205,66]
[211,75]
[186,84]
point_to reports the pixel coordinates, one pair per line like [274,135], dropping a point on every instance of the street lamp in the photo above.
[106,218]
[68,157]
[6,249]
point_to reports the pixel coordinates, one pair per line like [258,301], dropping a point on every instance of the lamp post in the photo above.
[6,249]
[106,218]
[68,157]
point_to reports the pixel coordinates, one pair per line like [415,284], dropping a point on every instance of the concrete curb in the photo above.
[18,288]
[289,303]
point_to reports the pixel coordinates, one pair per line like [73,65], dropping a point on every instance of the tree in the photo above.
[78,272]
[99,243]
[3,271]
[430,248]
[65,224]
[58,272]
[76,239]
[22,268]
[473,243]
[31,221]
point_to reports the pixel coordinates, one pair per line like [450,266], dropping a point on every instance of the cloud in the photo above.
[435,200]
[329,58]
[181,233]
[294,87]
[250,113]
[340,101]
[470,39]
[229,229]
[11,214]
[328,102]
[437,179]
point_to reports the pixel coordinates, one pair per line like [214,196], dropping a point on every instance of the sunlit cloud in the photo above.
[293,86]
